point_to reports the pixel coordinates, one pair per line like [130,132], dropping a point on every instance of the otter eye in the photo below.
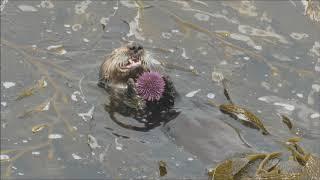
[139,47]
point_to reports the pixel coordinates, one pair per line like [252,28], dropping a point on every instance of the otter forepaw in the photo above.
[131,90]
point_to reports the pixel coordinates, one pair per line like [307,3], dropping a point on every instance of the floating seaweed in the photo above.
[269,168]
[292,128]
[240,113]
[222,171]
[235,167]
[287,121]
[303,165]
[30,91]
[44,106]
[38,128]
[162,168]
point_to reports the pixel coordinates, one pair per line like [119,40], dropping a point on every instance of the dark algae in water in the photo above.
[287,121]
[162,168]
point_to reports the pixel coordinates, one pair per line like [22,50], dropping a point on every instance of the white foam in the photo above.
[192,93]
[27,8]
[8,84]
[76,157]
[55,136]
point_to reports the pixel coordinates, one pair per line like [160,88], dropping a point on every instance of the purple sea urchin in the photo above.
[150,86]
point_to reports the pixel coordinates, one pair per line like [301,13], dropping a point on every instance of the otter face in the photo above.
[134,53]
[124,62]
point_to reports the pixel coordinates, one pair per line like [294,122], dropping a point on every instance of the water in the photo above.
[268,51]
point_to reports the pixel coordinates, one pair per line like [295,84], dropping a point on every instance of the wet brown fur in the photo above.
[111,73]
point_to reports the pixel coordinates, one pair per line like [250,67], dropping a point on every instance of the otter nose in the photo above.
[134,46]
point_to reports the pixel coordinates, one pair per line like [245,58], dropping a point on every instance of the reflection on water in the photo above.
[53,121]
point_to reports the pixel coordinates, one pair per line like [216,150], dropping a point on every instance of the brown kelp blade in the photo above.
[222,172]
[243,114]
[162,168]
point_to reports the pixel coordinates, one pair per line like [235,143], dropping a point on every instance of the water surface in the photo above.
[268,51]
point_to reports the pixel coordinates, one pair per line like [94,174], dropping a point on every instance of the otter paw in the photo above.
[131,89]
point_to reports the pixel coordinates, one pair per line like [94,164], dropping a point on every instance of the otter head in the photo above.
[135,57]
[123,62]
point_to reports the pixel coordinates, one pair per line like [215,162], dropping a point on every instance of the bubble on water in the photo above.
[3,5]
[3,103]
[46,107]
[281,57]
[300,95]
[317,66]
[211,95]
[81,7]
[315,115]
[8,84]
[27,8]
[135,29]
[251,31]
[35,153]
[264,17]
[166,35]
[85,40]
[316,87]
[59,49]
[175,31]
[246,39]
[183,54]
[119,146]
[55,136]
[202,17]
[128,4]
[46,4]
[286,106]
[315,50]
[192,93]
[93,142]
[245,7]
[76,157]
[74,95]
[264,99]
[298,36]
[224,62]
[104,21]
[217,76]
[67,25]
[76,27]
[190,159]
[20,173]
[88,115]
[4,157]
[266,85]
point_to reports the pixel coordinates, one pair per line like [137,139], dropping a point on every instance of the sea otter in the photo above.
[118,75]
